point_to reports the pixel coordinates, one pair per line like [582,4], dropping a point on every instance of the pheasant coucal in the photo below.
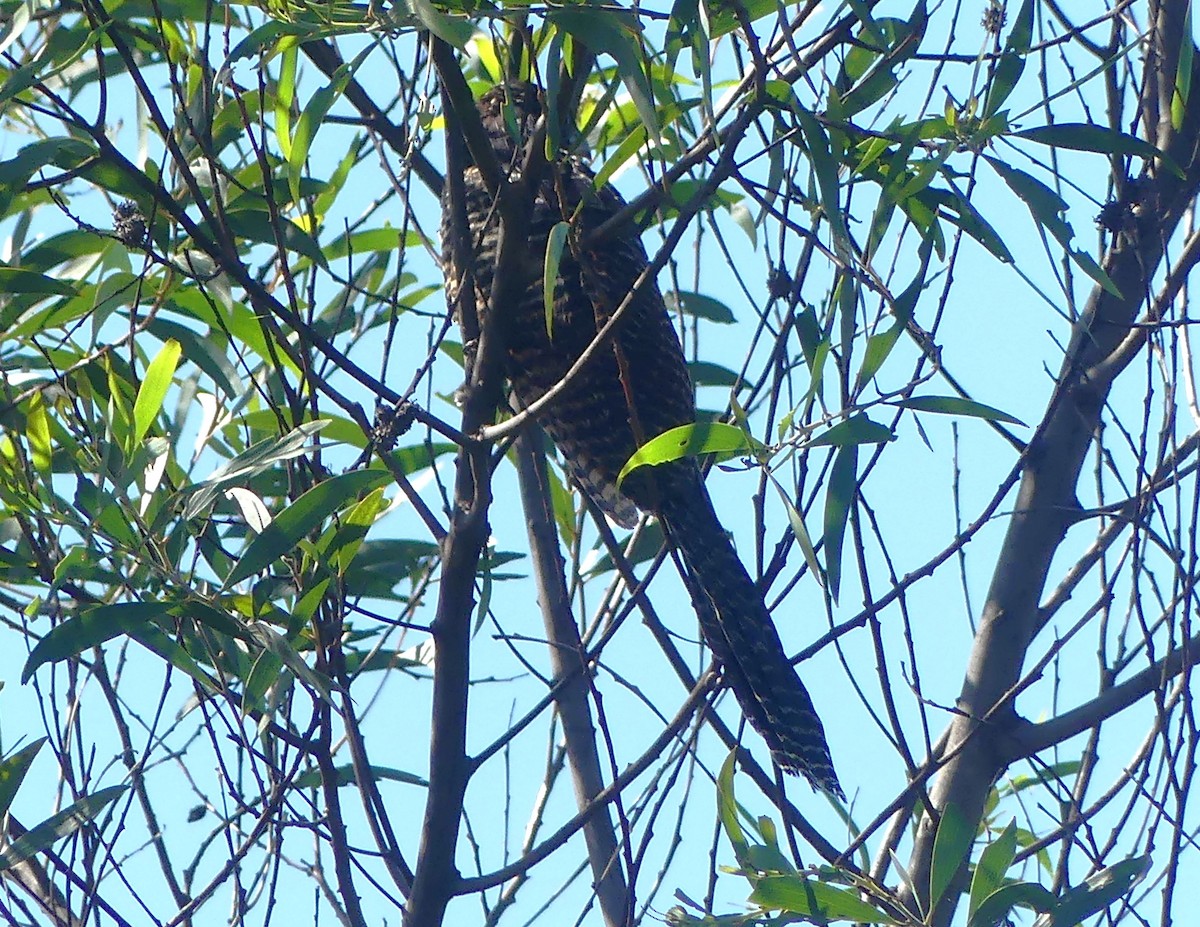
[635,388]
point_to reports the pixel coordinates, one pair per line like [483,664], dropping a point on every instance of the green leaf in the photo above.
[153,391]
[700,306]
[993,863]
[1097,892]
[257,225]
[869,69]
[454,30]
[1020,38]
[345,542]
[91,628]
[636,138]
[858,429]
[256,459]
[995,909]
[839,497]
[955,405]
[690,441]
[65,153]
[818,901]
[554,248]
[266,671]
[1183,73]
[371,240]
[706,374]
[879,346]
[153,639]
[16,281]
[204,351]
[37,434]
[1087,136]
[261,43]
[63,824]
[300,518]
[13,770]
[614,32]
[727,809]
[1012,60]
[825,167]
[275,643]
[318,108]
[951,850]
[1047,208]
[345,775]
[682,25]
[799,530]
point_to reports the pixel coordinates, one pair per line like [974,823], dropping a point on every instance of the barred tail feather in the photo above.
[740,632]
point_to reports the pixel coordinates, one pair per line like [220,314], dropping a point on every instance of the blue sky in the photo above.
[999,339]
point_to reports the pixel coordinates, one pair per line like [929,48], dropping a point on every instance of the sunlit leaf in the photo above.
[554,248]
[261,456]
[153,390]
[301,518]
[690,441]
[815,900]
[727,808]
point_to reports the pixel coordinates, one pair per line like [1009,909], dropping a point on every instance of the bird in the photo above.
[636,387]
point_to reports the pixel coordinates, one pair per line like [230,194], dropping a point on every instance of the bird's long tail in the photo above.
[740,632]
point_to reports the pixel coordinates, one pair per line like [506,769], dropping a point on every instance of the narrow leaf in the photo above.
[690,441]
[317,109]
[300,518]
[997,907]
[797,894]
[12,772]
[993,863]
[825,168]
[858,429]
[90,629]
[843,480]
[450,29]
[955,405]
[554,249]
[153,391]
[1097,892]
[800,530]
[254,460]
[951,849]
[1087,136]
[1183,73]
[63,824]
[727,808]
[701,307]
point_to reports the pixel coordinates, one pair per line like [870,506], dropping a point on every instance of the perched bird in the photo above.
[636,388]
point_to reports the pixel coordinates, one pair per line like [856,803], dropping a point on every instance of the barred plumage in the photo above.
[636,388]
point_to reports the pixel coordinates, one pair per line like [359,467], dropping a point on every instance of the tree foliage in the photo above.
[264,581]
